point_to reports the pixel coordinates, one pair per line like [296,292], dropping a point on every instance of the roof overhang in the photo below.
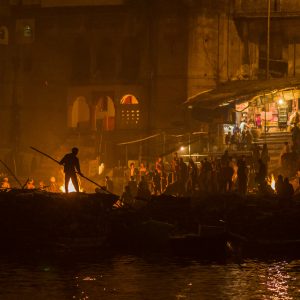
[235,92]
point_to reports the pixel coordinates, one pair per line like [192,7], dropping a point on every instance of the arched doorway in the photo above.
[105,114]
[80,114]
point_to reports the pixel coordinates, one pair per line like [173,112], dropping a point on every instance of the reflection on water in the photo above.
[136,277]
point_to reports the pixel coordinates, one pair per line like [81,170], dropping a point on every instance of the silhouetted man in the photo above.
[71,166]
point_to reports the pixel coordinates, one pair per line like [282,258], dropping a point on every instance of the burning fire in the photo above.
[71,188]
[271,182]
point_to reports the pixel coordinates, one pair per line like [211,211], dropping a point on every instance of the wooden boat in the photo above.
[37,219]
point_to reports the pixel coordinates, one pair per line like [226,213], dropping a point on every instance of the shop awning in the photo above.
[240,91]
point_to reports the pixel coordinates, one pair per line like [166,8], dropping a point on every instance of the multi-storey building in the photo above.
[102,72]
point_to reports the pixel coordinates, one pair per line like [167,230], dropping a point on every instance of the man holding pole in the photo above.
[71,166]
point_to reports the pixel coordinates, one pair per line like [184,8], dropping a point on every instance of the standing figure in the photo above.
[71,165]
[132,186]
[109,185]
[261,175]
[175,167]
[258,121]
[265,157]
[143,170]
[132,171]
[242,176]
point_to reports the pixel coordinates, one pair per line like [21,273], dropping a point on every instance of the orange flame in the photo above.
[71,188]
[271,182]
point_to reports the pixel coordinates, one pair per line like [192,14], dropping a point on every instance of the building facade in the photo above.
[99,73]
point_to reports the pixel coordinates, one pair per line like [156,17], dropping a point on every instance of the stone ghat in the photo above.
[251,220]
[253,216]
[34,220]
[40,220]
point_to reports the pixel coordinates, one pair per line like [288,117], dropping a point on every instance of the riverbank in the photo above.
[60,222]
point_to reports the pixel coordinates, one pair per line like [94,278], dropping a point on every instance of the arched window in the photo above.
[130,111]
[105,114]
[129,99]
[80,113]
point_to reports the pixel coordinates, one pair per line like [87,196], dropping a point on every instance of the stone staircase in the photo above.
[275,141]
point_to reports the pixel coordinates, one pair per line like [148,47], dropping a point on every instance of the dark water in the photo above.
[147,277]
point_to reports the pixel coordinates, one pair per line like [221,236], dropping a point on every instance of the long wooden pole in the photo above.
[43,153]
[50,157]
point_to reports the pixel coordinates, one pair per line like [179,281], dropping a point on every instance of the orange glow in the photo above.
[71,187]
[271,182]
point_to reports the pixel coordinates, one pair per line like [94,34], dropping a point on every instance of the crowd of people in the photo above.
[228,173]
[50,186]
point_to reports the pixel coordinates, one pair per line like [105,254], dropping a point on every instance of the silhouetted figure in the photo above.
[228,138]
[175,167]
[225,158]
[159,166]
[260,177]
[127,198]
[226,174]
[109,185]
[156,182]
[183,176]
[255,157]
[288,190]
[284,155]
[133,186]
[143,191]
[143,170]
[249,139]
[242,176]
[71,165]
[192,176]
[265,156]
[296,139]
[279,186]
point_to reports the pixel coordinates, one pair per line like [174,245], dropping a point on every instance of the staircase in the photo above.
[275,141]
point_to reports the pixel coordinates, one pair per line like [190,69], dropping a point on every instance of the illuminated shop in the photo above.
[270,112]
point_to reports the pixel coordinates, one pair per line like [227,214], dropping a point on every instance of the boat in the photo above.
[32,219]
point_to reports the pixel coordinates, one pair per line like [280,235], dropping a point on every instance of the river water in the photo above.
[130,277]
